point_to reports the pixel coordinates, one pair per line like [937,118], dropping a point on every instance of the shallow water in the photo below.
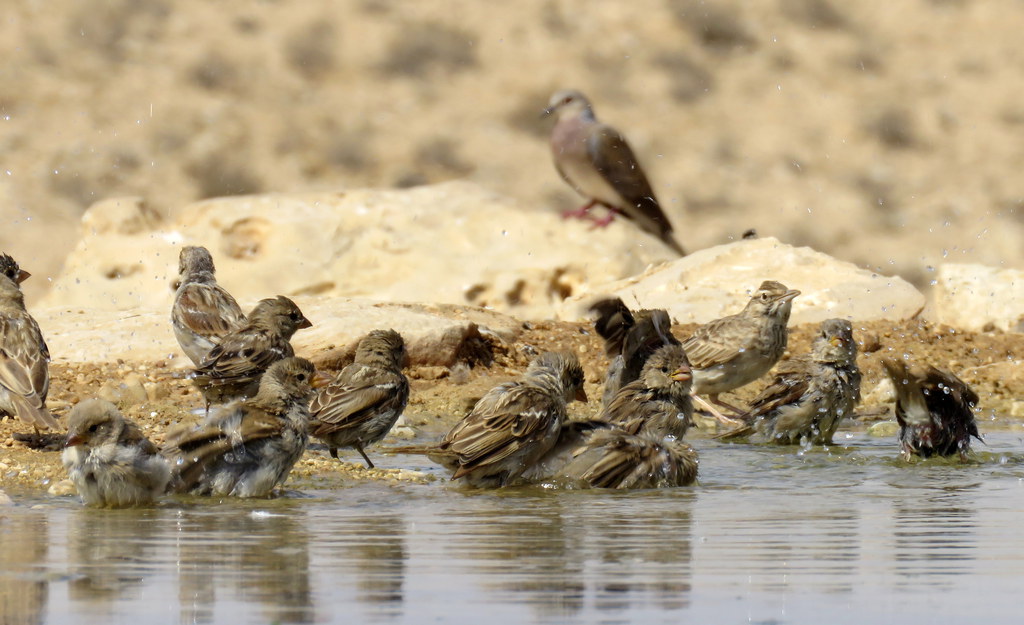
[848,535]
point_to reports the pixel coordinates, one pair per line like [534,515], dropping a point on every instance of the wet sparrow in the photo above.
[248,447]
[9,267]
[109,459]
[514,424]
[810,394]
[935,410]
[629,340]
[363,402]
[659,399]
[617,458]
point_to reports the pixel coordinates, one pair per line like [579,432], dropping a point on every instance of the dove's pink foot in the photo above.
[581,212]
[601,222]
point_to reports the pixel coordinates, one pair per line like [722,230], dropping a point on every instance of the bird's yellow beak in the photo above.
[682,374]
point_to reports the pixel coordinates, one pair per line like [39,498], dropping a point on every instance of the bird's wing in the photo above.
[613,322]
[615,161]
[792,381]
[498,429]
[709,346]
[207,310]
[23,357]
[243,354]
[355,396]
[132,436]
[194,449]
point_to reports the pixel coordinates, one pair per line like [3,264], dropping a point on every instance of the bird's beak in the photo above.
[581,395]
[549,110]
[320,380]
[682,374]
[305,323]
[836,341]
[74,440]
[789,295]
[22,276]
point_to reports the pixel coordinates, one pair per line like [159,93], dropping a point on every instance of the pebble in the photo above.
[62,488]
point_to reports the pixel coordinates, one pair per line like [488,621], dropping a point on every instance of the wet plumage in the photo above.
[617,458]
[810,395]
[659,399]
[365,400]
[248,447]
[203,311]
[9,267]
[629,340]
[935,410]
[232,369]
[109,459]
[24,361]
[514,424]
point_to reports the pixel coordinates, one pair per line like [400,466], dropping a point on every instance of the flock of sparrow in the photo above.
[263,403]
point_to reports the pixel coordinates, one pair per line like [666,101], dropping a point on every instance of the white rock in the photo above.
[435,335]
[718,281]
[972,297]
[454,243]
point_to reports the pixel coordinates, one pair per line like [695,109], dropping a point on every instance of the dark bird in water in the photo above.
[935,410]
[629,340]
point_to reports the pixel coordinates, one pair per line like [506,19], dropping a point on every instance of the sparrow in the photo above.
[617,458]
[248,447]
[110,460]
[233,368]
[935,410]
[629,340]
[203,311]
[596,161]
[9,267]
[514,424]
[24,361]
[810,395]
[360,406]
[659,399]
[733,351]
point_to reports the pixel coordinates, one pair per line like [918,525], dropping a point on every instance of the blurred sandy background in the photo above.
[888,134]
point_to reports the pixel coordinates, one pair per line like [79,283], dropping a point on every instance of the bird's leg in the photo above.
[741,414]
[359,448]
[333,451]
[581,212]
[714,411]
[602,222]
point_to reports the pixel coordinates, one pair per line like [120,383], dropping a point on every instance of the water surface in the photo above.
[847,535]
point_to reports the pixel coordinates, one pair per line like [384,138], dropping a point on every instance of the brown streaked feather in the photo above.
[207,310]
[348,402]
[709,346]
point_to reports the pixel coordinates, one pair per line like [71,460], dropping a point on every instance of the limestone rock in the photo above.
[436,335]
[718,281]
[454,243]
[975,297]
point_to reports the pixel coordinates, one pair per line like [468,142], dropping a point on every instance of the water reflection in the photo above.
[259,557]
[110,552]
[24,588]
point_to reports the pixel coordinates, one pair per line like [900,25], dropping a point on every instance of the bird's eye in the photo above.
[293,316]
[302,377]
[567,99]
[765,297]
[94,427]
[664,369]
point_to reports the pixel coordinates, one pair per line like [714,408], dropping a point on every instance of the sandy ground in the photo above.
[885,133]
[440,397]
